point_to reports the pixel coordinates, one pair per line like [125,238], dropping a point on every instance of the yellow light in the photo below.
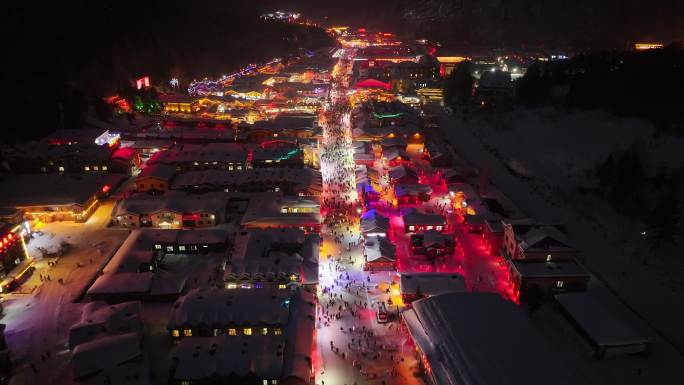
[647,46]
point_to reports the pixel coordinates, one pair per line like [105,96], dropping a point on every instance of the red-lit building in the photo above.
[15,263]
[419,222]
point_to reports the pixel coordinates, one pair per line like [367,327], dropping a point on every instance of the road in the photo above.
[352,347]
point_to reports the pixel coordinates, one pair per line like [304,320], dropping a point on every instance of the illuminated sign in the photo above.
[109,138]
[647,46]
[143,82]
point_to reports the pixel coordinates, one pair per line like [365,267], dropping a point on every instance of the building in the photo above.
[303,182]
[374,224]
[403,175]
[412,194]
[531,241]
[432,244]
[416,221]
[270,210]
[606,324]
[172,210]
[379,253]
[16,265]
[533,281]
[215,155]
[243,336]
[493,236]
[69,151]
[57,197]
[413,286]
[273,258]
[479,338]
[175,103]
[278,154]
[494,89]
[102,319]
[155,178]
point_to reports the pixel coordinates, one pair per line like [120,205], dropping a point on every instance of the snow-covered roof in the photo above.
[605,320]
[105,354]
[377,248]
[210,152]
[301,179]
[265,210]
[480,338]
[433,238]
[412,216]
[393,153]
[158,171]
[264,356]
[402,171]
[539,269]
[374,222]
[100,318]
[431,283]
[544,237]
[173,201]
[411,190]
[220,307]
[274,255]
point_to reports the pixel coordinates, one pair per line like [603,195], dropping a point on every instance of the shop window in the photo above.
[282,286]
[232,332]
[175,333]
[277,332]
[187,332]
[264,331]
[247,331]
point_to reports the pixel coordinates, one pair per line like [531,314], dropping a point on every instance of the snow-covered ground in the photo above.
[555,149]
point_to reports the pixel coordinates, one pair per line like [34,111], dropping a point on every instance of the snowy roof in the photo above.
[53,189]
[211,152]
[300,178]
[220,307]
[605,320]
[159,171]
[122,283]
[377,248]
[412,216]
[431,283]
[411,190]
[89,358]
[393,153]
[544,237]
[537,269]
[402,171]
[264,356]
[435,238]
[480,338]
[372,221]
[274,254]
[174,201]
[101,318]
[265,210]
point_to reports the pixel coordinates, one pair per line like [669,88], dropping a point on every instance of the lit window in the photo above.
[559,284]
[429,227]
[181,248]
[175,333]
[293,277]
[247,331]
[185,382]
[104,168]
[187,332]
[282,286]
[86,168]
[61,168]
[239,167]
[264,382]
[231,285]
[96,168]
[157,247]
[548,258]
[264,331]
[283,210]
[232,332]
[217,332]
[412,228]
[278,332]
[169,248]
[438,228]
[274,382]
[230,167]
